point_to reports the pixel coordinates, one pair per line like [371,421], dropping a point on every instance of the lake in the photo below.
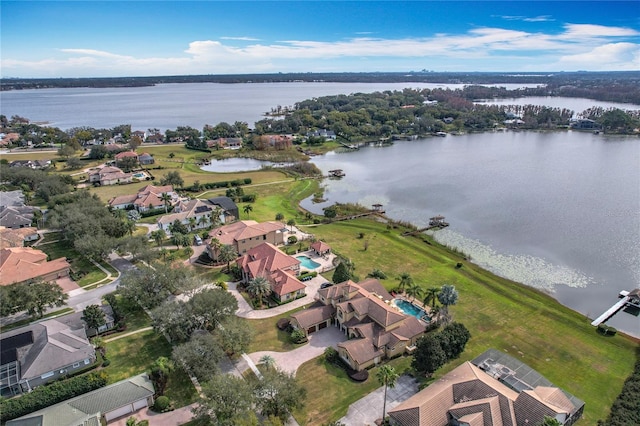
[559,211]
[167,106]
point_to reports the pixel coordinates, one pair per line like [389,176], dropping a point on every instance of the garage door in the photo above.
[322,325]
[118,412]
[311,329]
[139,404]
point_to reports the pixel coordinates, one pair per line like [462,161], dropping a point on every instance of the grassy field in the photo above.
[148,345]
[267,337]
[529,325]
[330,391]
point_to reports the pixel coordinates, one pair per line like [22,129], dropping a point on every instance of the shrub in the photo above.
[292,239]
[359,376]
[331,355]
[298,336]
[162,404]
[106,362]
[606,330]
[283,323]
[44,396]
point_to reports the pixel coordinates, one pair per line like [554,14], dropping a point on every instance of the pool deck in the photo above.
[418,304]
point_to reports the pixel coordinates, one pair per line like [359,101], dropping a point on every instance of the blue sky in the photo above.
[141,38]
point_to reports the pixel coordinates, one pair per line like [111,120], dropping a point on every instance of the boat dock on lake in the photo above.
[436,222]
[337,173]
[628,300]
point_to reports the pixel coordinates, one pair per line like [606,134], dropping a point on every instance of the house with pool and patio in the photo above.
[281,270]
[367,314]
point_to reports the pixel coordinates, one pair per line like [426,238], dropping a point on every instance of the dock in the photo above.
[338,173]
[436,222]
[627,299]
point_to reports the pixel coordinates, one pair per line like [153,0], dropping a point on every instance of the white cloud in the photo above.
[612,56]
[579,46]
[240,38]
[541,18]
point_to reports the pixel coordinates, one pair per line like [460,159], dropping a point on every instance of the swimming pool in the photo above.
[307,263]
[411,309]
[139,175]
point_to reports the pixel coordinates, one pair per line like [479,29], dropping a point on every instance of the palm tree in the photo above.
[192,223]
[279,217]
[247,209]
[448,296]
[163,252]
[387,377]
[166,199]
[215,217]
[259,287]
[215,245]
[405,281]
[159,374]
[158,236]
[414,290]
[431,296]
[177,239]
[268,361]
[291,223]
[203,221]
[227,254]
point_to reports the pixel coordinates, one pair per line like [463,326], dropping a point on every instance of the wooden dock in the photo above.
[436,222]
[628,299]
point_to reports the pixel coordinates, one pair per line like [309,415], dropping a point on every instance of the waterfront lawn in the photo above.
[330,391]
[526,323]
[148,345]
[278,197]
[268,337]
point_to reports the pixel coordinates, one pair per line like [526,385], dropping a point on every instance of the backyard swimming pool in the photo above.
[139,175]
[307,263]
[411,309]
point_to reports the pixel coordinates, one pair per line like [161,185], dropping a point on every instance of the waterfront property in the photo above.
[109,175]
[411,309]
[493,389]
[629,301]
[266,260]
[245,235]
[195,214]
[362,311]
[41,353]
[97,407]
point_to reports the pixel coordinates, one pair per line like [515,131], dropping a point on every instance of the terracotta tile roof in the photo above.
[123,199]
[320,246]
[18,264]
[126,154]
[15,237]
[265,259]
[361,350]
[283,283]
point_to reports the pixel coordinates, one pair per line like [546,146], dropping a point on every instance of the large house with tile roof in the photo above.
[363,311]
[17,237]
[21,264]
[494,389]
[147,198]
[40,353]
[109,175]
[245,235]
[266,260]
[195,214]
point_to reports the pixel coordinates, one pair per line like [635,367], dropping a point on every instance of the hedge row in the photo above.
[197,148]
[45,396]
[215,185]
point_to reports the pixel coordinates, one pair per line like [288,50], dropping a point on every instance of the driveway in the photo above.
[176,417]
[246,311]
[318,342]
[367,410]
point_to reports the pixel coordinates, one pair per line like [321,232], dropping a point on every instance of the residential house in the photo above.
[9,139]
[147,198]
[145,159]
[16,217]
[321,248]
[228,206]
[246,234]
[273,141]
[139,133]
[493,389]
[363,311]
[75,321]
[17,237]
[32,164]
[98,407]
[109,175]
[20,264]
[11,198]
[40,353]
[195,214]
[119,157]
[266,260]
[225,143]
[585,124]
[323,133]
[155,138]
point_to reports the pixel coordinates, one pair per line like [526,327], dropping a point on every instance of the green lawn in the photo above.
[79,265]
[26,321]
[532,326]
[134,354]
[267,337]
[330,391]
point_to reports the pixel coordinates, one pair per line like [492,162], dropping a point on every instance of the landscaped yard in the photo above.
[134,354]
[80,266]
[330,391]
[267,337]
